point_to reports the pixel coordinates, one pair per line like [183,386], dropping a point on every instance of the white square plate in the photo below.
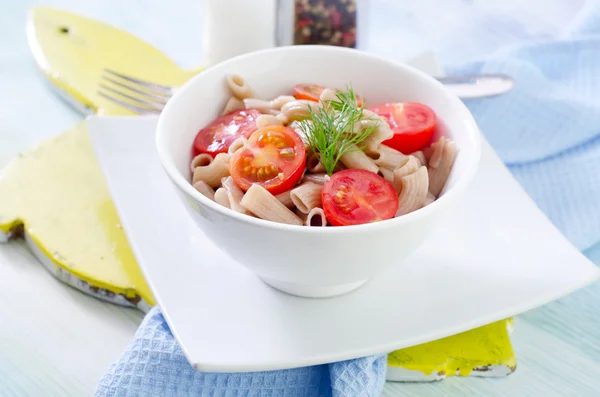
[496,256]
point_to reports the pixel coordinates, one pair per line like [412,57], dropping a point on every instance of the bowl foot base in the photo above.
[309,291]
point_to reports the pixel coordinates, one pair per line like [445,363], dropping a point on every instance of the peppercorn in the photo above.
[327,22]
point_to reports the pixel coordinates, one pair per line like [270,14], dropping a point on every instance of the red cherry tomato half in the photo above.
[312,92]
[355,197]
[216,137]
[273,158]
[413,125]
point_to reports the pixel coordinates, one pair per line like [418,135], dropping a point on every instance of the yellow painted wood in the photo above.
[57,191]
[72,51]
[461,354]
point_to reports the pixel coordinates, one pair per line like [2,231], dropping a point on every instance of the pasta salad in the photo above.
[320,157]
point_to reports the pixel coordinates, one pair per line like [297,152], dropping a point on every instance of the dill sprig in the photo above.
[329,131]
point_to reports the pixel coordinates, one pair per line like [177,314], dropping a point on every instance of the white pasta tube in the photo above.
[237,145]
[277,103]
[440,164]
[316,217]
[268,119]
[328,94]
[213,172]
[283,118]
[387,174]
[234,194]
[201,160]
[301,215]
[258,104]
[286,199]
[299,128]
[204,189]
[239,87]
[273,112]
[386,157]
[221,197]
[369,120]
[381,132]
[268,106]
[298,110]
[232,104]
[314,165]
[421,157]
[356,158]
[435,152]
[414,191]
[306,196]
[410,166]
[319,178]
[266,206]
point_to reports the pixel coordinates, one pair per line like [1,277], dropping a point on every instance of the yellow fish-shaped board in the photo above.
[72,51]
[485,351]
[56,196]
[61,176]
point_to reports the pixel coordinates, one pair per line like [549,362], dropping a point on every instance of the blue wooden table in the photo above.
[56,341]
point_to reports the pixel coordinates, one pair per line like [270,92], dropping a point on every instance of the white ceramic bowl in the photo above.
[305,261]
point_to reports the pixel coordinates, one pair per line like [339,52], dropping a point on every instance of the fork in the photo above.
[137,95]
[145,97]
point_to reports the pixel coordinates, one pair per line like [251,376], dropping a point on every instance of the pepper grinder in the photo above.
[323,22]
[234,27]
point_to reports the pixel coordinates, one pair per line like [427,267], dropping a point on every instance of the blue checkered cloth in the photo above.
[547,131]
[153,365]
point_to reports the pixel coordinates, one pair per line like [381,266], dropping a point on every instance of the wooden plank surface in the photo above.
[56,341]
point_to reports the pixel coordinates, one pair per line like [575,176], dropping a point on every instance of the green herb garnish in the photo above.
[329,130]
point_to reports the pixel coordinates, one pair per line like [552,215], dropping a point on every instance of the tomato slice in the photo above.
[355,197]
[413,125]
[312,92]
[216,137]
[274,158]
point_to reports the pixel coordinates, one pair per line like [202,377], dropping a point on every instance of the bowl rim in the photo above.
[185,186]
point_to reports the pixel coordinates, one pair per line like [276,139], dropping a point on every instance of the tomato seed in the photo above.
[286,152]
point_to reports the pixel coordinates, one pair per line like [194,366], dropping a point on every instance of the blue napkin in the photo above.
[153,365]
[547,131]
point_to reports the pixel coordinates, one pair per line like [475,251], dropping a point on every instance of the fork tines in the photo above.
[137,95]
